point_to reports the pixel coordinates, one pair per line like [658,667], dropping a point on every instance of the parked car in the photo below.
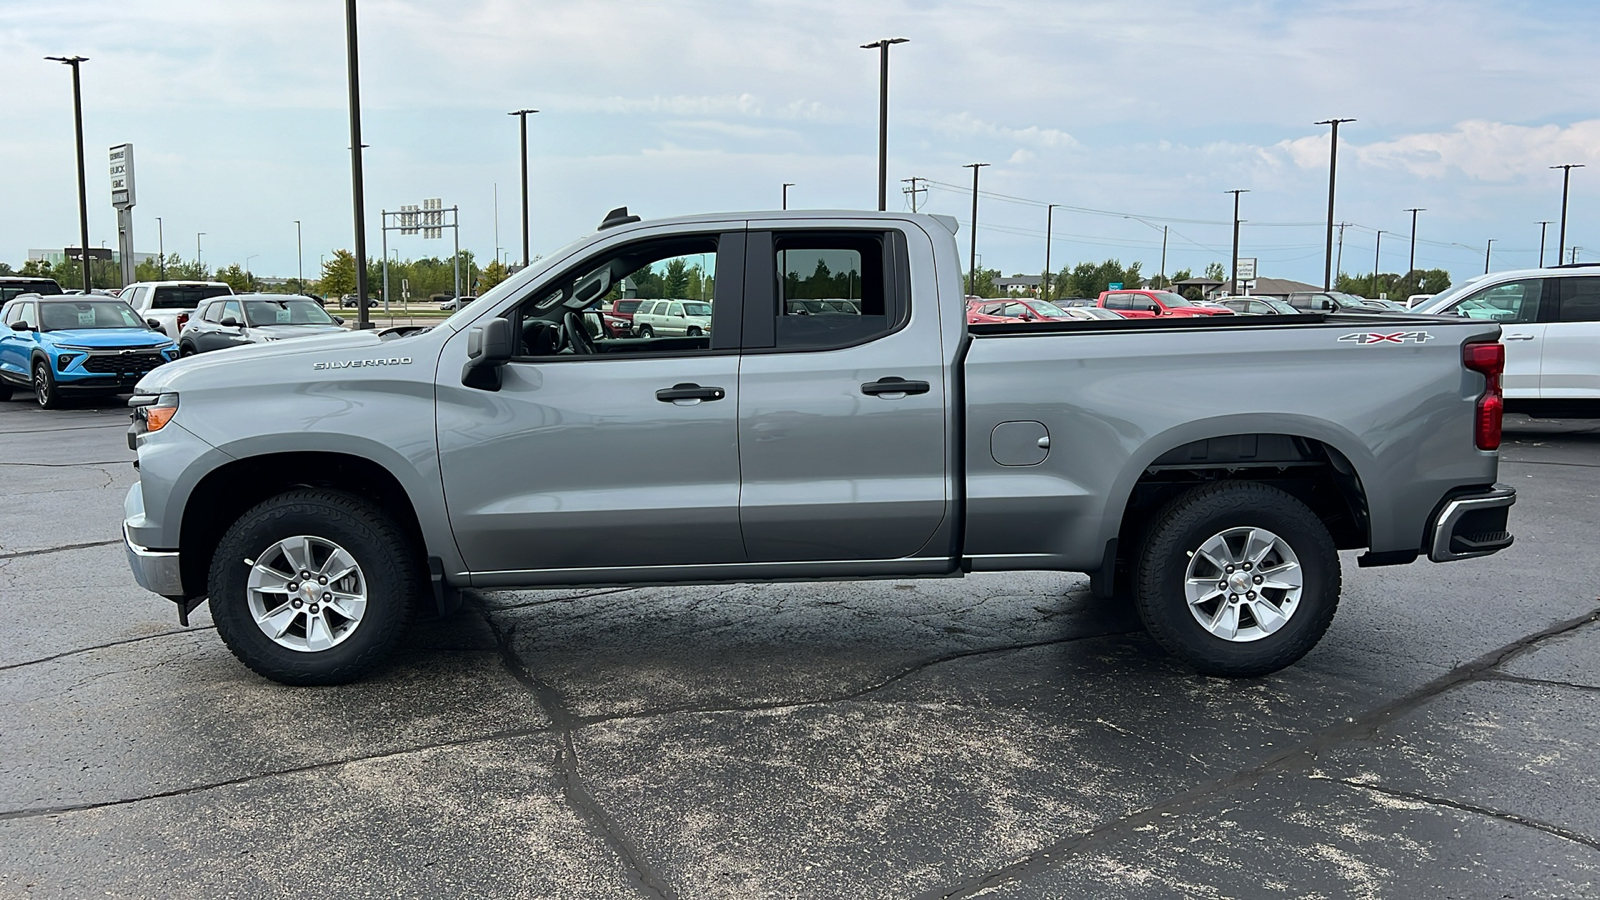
[1026,309]
[348,301]
[243,319]
[15,285]
[1142,304]
[1339,301]
[672,318]
[170,303]
[1070,302]
[1258,306]
[318,492]
[81,344]
[1550,321]
[624,309]
[455,303]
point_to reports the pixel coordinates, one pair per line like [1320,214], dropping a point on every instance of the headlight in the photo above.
[154,412]
[72,347]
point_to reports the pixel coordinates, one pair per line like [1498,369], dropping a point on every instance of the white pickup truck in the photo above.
[170,303]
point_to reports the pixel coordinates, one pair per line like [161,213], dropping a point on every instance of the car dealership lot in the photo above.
[1002,734]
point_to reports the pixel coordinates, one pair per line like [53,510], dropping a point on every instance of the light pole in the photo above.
[883,116]
[247,263]
[300,259]
[786,186]
[1566,182]
[1233,273]
[1376,249]
[1542,226]
[972,255]
[199,260]
[161,248]
[1333,171]
[1411,264]
[1486,249]
[357,190]
[1044,287]
[522,119]
[83,193]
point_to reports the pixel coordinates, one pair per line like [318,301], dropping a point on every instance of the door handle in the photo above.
[1518,337]
[894,385]
[689,391]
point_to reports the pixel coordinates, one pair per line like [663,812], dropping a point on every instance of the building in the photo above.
[1277,288]
[1019,286]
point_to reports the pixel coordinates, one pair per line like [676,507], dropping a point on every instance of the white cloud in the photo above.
[967,125]
[1481,150]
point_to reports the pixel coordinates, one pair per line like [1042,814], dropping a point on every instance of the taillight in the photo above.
[1490,360]
[183,319]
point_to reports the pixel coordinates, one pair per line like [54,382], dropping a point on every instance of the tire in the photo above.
[315,645]
[1252,528]
[5,392]
[44,385]
[694,331]
[186,349]
[645,331]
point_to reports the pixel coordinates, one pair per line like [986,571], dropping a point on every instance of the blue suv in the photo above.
[84,342]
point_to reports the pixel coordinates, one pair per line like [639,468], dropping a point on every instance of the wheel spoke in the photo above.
[277,622]
[1286,577]
[351,606]
[1208,596]
[268,580]
[1268,616]
[318,636]
[297,550]
[1257,546]
[340,563]
[1225,624]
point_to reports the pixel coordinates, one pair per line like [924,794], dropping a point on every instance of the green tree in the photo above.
[1088,279]
[1216,272]
[1182,275]
[5,269]
[1397,287]
[985,284]
[241,281]
[103,273]
[338,275]
[492,274]
[677,280]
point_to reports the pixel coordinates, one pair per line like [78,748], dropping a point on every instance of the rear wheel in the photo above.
[44,386]
[313,587]
[1237,579]
[694,331]
[645,331]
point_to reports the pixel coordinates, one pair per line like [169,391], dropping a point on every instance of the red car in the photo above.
[1023,309]
[623,309]
[1141,304]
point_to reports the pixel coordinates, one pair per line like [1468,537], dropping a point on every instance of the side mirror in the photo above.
[338,320]
[154,325]
[21,326]
[229,322]
[488,348]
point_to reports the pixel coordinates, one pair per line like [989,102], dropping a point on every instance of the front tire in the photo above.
[313,587]
[45,389]
[186,349]
[1237,579]
[645,331]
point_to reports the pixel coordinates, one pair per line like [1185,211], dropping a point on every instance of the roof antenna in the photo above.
[618,216]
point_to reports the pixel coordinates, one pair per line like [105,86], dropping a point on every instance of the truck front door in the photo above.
[842,409]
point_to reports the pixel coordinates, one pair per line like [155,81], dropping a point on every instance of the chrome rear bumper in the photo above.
[1473,525]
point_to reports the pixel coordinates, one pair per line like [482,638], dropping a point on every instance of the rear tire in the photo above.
[694,331]
[1237,579]
[645,331]
[45,389]
[333,630]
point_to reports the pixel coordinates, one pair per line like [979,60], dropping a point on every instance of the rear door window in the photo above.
[833,289]
[1512,302]
[1119,301]
[1580,300]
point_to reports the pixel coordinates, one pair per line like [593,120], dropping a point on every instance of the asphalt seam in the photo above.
[1299,756]
[1548,462]
[36,812]
[98,462]
[61,549]
[580,800]
[1462,806]
[105,646]
[1540,682]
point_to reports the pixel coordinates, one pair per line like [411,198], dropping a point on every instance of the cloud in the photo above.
[967,125]
[1486,151]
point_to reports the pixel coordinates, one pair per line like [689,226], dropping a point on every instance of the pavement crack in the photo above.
[61,549]
[1550,462]
[564,598]
[1462,806]
[73,465]
[579,799]
[109,644]
[1297,757]
[1540,682]
[40,811]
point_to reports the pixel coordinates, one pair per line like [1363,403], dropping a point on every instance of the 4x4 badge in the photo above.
[1393,337]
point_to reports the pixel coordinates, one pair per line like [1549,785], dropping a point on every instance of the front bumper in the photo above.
[1471,525]
[156,571]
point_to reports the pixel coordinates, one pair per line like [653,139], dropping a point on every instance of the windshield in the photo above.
[1278,306]
[1344,299]
[62,316]
[1168,298]
[697,309]
[299,311]
[1046,308]
[186,296]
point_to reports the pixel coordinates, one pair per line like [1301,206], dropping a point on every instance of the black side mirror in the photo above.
[488,348]
[154,325]
[229,322]
[338,320]
[21,326]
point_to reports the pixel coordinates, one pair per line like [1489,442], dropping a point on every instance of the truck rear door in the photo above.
[842,406]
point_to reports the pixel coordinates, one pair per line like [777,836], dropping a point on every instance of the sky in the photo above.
[1134,115]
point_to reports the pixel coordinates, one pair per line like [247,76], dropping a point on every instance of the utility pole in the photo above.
[197,257]
[1575,250]
[913,190]
[300,258]
[1233,273]
[1411,266]
[786,186]
[1338,265]
[1164,255]
[83,192]
[1333,171]
[161,248]
[1486,250]
[522,117]
[972,255]
[1044,286]
[357,189]
[1542,226]
[1376,249]
[883,116]
[1566,182]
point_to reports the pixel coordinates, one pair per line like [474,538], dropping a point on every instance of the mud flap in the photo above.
[186,606]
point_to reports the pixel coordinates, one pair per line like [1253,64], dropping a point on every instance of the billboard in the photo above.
[122,176]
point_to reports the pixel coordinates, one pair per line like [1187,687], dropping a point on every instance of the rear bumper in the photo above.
[1472,525]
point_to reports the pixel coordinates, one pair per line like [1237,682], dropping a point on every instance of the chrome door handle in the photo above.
[1518,337]
[894,385]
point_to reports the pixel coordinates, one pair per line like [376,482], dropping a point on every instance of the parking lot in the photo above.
[1002,736]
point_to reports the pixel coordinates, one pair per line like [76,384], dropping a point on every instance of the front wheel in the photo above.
[44,386]
[186,350]
[1237,579]
[313,587]
[645,331]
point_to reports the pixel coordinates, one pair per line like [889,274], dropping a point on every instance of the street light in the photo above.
[883,117]
[1566,182]
[972,255]
[1376,249]
[1233,273]
[1542,225]
[1486,250]
[1049,212]
[83,193]
[197,258]
[1333,171]
[357,191]
[786,186]
[1411,264]
[161,248]
[522,120]
[247,262]
[300,259]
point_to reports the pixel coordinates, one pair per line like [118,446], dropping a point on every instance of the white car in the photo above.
[171,303]
[1550,326]
[672,318]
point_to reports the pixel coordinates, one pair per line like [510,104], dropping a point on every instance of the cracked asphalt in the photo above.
[1001,736]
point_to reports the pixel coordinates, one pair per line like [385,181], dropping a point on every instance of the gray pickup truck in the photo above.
[837,420]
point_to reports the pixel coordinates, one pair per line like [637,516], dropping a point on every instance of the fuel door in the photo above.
[1019,443]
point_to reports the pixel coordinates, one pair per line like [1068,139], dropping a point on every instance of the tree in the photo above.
[1215,272]
[338,275]
[5,269]
[1088,279]
[1182,275]
[241,281]
[985,284]
[677,281]
[103,273]
[1397,287]
[492,274]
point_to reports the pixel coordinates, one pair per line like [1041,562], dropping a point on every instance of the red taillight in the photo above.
[183,319]
[1490,360]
